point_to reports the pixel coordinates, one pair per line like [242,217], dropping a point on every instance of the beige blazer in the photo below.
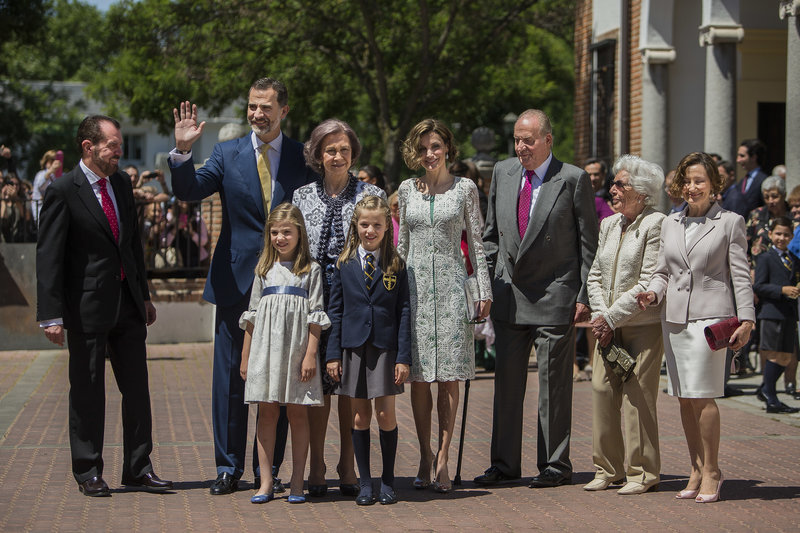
[711,277]
[622,268]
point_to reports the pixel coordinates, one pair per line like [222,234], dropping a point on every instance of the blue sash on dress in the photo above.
[285,289]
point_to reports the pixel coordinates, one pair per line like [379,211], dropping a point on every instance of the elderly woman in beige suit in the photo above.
[704,276]
[626,259]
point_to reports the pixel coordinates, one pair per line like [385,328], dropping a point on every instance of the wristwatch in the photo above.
[183,152]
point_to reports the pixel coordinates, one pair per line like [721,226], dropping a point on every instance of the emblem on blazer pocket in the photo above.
[389,281]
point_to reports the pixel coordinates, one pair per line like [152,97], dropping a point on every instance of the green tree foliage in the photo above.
[382,66]
[56,40]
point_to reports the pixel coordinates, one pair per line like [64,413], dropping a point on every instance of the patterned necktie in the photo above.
[787,261]
[369,269]
[111,215]
[524,204]
[265,175]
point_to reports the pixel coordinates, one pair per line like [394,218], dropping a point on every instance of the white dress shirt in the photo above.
[536,181]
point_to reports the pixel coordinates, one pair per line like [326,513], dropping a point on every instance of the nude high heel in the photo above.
[711,498]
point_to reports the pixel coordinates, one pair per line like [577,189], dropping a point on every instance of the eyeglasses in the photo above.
[619,184]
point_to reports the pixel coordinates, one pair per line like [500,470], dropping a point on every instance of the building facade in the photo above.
[662,78]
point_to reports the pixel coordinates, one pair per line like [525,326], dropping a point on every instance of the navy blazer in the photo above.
[380,316]
[771,275]
[743,203]
[78,260]
[231,171]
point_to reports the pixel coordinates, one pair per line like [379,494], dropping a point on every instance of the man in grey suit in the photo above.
[540,241]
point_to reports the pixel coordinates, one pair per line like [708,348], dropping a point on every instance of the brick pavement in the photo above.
[758,455]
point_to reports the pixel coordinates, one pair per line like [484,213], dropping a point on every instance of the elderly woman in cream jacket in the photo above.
[626,257]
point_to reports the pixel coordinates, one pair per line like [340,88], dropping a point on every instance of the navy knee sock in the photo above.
[361,450]
[772,371]
[388,453]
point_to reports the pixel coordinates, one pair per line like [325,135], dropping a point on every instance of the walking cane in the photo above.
[457,479]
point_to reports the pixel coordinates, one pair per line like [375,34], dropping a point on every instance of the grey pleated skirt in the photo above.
[368,372]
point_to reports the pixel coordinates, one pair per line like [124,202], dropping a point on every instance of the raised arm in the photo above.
[187,131]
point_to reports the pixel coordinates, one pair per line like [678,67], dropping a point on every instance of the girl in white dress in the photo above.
[282,328]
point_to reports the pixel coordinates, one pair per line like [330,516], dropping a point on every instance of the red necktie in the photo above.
[744,184]
[524,204]
[111,215]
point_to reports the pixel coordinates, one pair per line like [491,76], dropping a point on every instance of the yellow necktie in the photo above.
[265,175]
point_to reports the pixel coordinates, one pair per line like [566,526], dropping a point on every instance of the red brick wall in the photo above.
[583,79]
[636,80]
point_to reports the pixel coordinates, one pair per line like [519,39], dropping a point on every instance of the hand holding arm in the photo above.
[645,299]
[187,130]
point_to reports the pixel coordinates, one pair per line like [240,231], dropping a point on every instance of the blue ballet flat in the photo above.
[293,498]
[261,498]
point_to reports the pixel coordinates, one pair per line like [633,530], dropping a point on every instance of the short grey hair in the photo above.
[312,150]
[645,177]
[774,182]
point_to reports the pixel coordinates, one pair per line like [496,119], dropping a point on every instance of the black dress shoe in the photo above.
[387,498]
[730,391]
[760,394]
[349,489]
[149,481]
[365,500]
[317,491]
[224,484]
[790,389]
[493,476]
[94,487]
[550,478]
[781,408]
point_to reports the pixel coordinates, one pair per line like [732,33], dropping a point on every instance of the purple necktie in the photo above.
[111,215]
[524,204]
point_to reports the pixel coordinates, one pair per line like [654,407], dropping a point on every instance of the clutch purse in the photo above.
[718,334]
[619,360]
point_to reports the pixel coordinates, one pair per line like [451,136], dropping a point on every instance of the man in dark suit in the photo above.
[251,174]
[540,251]
[749,156]
[91,281]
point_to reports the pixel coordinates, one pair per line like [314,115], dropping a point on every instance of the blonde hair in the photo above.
[285,212]
[390,260]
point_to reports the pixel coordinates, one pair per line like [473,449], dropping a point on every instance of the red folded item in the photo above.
[718,334]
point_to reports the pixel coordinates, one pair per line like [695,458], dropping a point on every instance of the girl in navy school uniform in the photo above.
[369,349]
[279,354]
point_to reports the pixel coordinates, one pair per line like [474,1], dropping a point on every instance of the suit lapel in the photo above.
[245,159]
[86,195]
[548,192]
[705,228]
[286,173]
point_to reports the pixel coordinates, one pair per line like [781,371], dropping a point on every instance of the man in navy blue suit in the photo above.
[251,174]
[747,196]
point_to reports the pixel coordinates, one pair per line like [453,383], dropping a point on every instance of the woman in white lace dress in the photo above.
[327,206]
[434,209]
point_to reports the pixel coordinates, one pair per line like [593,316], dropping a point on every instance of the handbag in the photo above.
[619,360]
[719,333]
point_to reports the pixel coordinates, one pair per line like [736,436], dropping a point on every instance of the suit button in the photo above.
[501,233]
[117,278]
[678,289]
[369,323]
